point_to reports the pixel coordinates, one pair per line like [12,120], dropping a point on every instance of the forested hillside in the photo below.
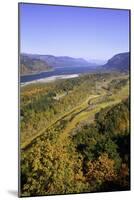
[75,135]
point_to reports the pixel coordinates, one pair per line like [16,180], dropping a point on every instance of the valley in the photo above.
[74,100]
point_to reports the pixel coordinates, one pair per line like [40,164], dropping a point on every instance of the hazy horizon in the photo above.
[89,33]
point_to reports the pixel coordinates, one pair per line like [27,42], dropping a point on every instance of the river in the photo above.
[56,72]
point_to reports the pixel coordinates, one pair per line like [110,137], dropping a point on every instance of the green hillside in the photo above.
[75,135]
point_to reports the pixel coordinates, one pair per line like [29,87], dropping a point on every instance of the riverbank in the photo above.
[50,79]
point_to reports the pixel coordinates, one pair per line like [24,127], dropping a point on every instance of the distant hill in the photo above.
[35,63]
[119,62]
[61,61]
[30,65]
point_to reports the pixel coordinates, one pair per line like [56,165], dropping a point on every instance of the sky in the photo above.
[89,33]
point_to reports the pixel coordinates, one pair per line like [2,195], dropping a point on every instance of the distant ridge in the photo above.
[119,62]
[35,63]
[60,61]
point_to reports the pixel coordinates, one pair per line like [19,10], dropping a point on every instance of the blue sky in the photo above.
[72,31]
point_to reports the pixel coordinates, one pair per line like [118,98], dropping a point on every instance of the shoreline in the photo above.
[37,73]
[50,79]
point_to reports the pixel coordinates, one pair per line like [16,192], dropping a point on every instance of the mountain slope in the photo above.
[61,61]
[119,62]
[30,65]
